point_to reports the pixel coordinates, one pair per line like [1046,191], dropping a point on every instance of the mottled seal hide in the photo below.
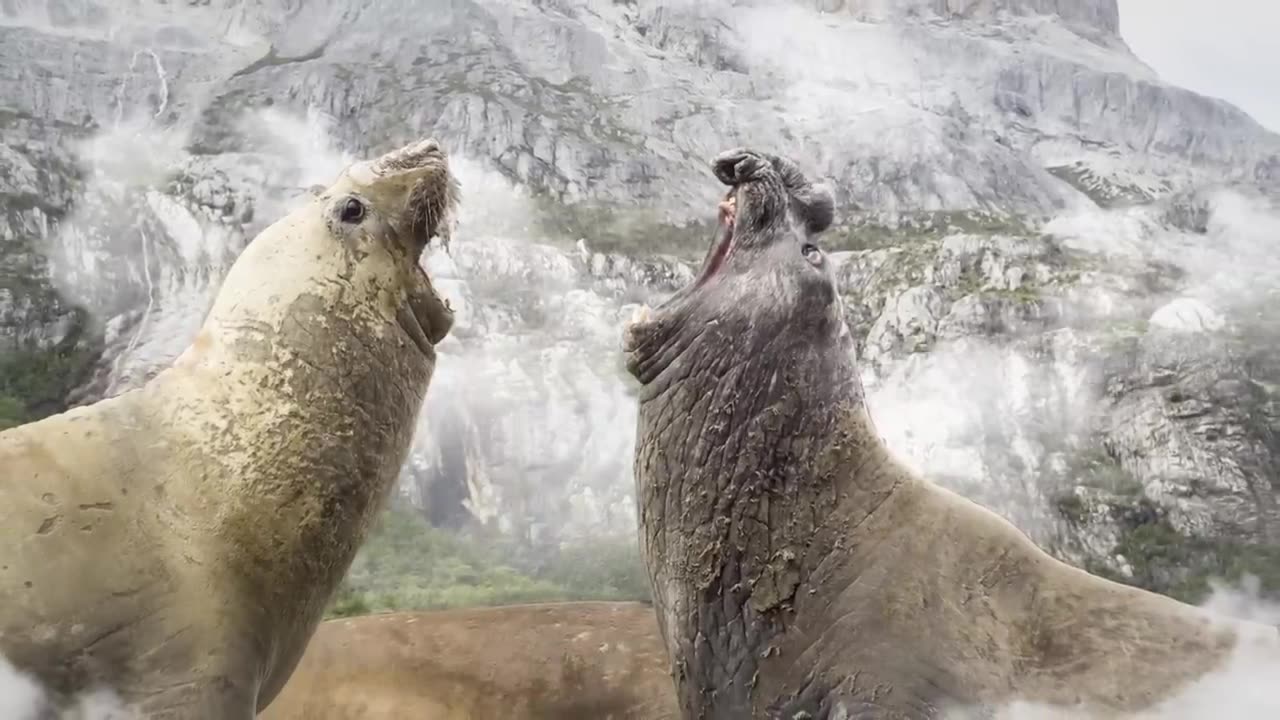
[556,661]
[177,544]
[799,570]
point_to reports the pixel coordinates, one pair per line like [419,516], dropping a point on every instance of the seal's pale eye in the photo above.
[352,211]
[812,254]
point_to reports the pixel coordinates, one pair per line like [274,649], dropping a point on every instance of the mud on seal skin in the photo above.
[798,569]
[177,544]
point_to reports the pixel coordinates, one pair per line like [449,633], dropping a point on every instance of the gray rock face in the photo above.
[1100,17]
[1057,265]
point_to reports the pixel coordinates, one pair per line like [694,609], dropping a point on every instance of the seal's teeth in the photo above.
[728,209]
[642,314]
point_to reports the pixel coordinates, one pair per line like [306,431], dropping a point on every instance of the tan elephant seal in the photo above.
[555,661]
[799,570]
[177,544]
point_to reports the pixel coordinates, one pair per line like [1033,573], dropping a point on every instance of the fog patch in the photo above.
[1222,239]
[22,698]
[304,143]
[995,421]
[830,69]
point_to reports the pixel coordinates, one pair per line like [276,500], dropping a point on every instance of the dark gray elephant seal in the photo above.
[177,544]
[798,569]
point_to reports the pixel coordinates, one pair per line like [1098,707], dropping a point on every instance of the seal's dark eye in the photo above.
[352,211]
[811,253]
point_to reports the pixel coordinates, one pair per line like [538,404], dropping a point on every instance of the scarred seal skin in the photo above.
[798,569]
[553,661]
[177,544]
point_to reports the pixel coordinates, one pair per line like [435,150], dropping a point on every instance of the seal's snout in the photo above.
[434,196]
[417,155]
[416,184]
[738,166]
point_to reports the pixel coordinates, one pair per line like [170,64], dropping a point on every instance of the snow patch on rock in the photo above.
[1187,315]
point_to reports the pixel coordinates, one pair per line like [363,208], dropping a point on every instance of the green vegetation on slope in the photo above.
[34,382]
[1160,558]
[408,565]
[12,412]
[1164,560]
[913,228]
[638,232]
[641,232]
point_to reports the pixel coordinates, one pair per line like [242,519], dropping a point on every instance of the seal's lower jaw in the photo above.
[425,316]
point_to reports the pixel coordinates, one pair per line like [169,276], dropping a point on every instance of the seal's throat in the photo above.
[723,243]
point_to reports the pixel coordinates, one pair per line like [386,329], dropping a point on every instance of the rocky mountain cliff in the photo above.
[1060,268]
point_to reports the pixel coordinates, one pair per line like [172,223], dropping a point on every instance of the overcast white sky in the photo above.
[1223,48]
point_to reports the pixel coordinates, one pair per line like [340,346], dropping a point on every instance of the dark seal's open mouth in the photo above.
[723,245]
[770,208]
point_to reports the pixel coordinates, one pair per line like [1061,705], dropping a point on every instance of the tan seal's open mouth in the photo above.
[419,174]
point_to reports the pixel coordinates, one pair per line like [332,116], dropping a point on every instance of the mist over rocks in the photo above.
[1025,209]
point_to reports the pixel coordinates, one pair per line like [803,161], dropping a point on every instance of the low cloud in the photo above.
[1224,49]
[22,698]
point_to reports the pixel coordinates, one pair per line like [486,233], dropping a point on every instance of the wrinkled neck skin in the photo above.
[751,416]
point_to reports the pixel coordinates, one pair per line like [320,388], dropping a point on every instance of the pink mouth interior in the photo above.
[723,246]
